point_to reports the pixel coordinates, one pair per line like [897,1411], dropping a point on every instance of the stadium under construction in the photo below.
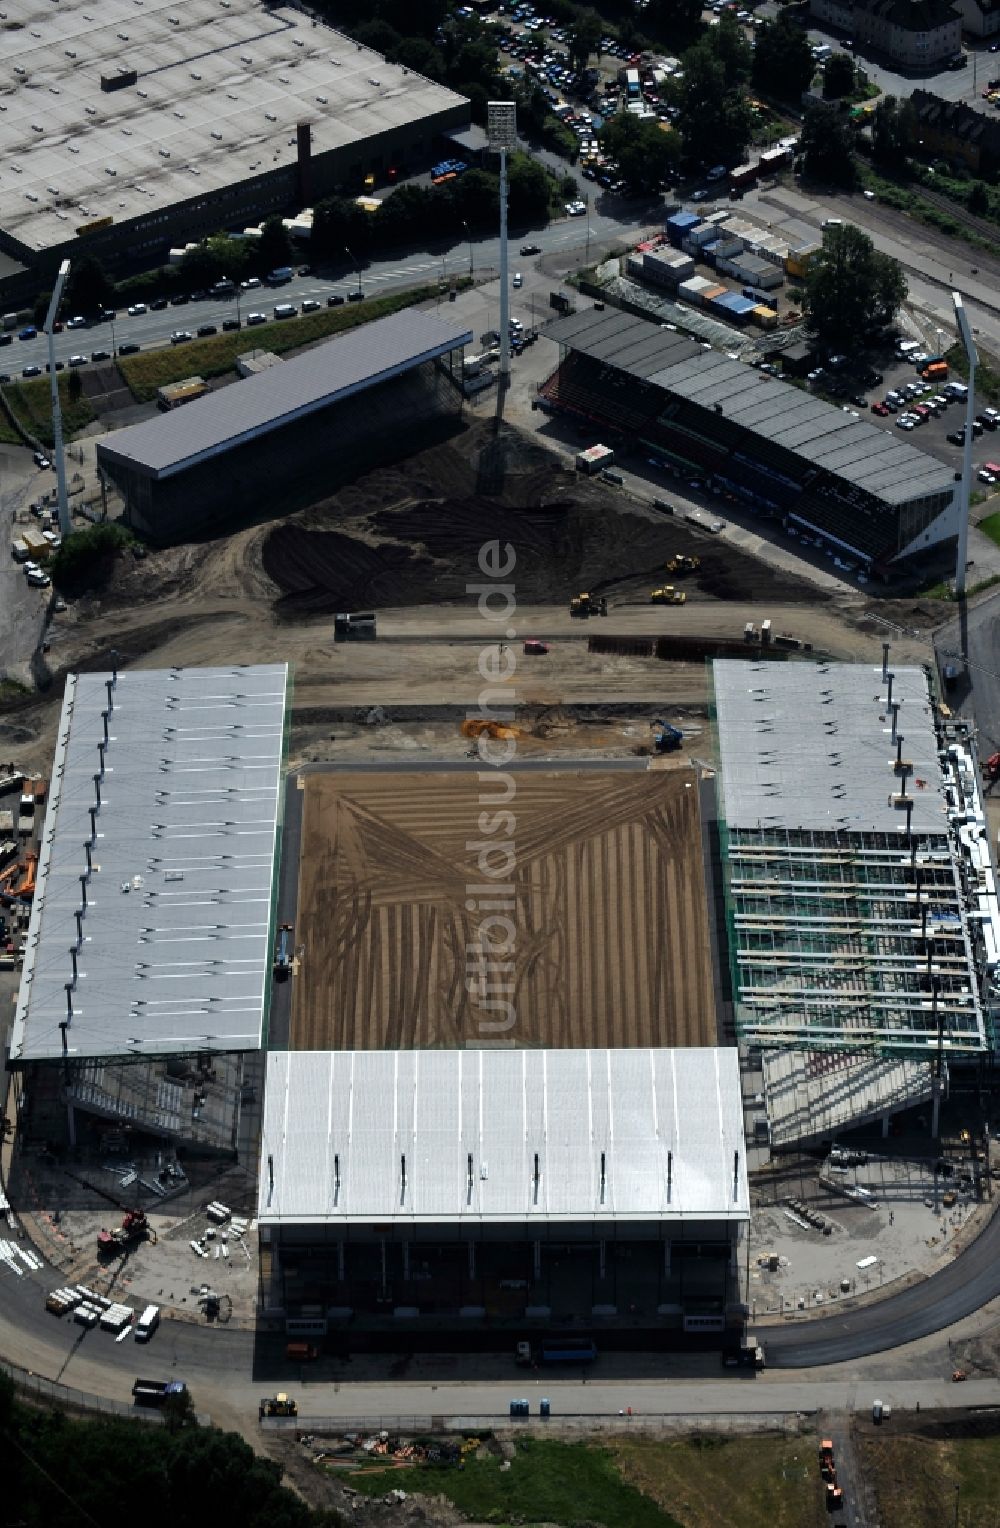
[861,902]
[788,456]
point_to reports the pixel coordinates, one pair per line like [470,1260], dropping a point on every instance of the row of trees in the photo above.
[61,1474]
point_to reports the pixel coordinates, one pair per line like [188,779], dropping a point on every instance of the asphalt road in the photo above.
[151,330]
[964,1286]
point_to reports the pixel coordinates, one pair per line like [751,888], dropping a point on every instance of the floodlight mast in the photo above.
[501,120]
[57,436]
[968,345]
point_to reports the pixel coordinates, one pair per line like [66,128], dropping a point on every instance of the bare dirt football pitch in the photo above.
[611,943]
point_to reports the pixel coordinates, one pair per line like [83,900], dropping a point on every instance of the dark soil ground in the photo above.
[412,535]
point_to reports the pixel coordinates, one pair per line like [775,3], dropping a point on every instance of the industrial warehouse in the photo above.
[217,458]
[789,456]
[146,126]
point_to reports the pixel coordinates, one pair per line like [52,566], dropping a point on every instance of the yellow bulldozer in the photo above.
[668,595]
[681,563]
[585,605]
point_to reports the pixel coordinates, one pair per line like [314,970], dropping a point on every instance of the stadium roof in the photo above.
[495,1136]
[175,914]
[809,745]
[346,364]
[823,435]
[221,86]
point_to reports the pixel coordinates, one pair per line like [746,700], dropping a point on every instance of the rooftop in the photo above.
[809,745]
[502,1136]
[343,365]
[221,86]
[165,945]
[820,433]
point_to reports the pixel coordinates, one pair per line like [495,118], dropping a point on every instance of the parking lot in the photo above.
[925,413]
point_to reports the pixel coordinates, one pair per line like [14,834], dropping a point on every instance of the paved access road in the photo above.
[964,1286]
[153,329]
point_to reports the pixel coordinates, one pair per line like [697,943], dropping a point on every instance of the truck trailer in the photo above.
[556,1350]
[154,1392]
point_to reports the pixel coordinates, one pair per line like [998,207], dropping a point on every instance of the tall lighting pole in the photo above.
[965,333]
[501,127]
[57,438]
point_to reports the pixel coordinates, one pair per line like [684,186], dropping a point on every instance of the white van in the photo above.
[147,1323]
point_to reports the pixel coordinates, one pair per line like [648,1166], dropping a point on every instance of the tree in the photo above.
[404,215]
[529,189]
[979,199]
[644,152]
[729,44]
[783,64]
[421,56]
[891,134]
[74,386]
[838,76]
[853,292]
[676,21]
[585,39]
[88,288]
[274,247]
[827,145]
[339,224]
[714,120]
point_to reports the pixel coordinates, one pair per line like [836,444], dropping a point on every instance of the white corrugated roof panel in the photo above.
[175,910]
[434,1137]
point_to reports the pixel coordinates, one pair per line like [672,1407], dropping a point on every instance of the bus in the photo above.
[632,91]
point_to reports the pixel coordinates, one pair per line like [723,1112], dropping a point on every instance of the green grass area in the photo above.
[768,1481]
[216,356]
[908,199]
[915,1480]
[8,434]
[547,1482]
[991,527]
[31,401]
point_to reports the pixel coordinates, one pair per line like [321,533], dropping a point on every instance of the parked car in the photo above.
[204,330]
[38,579]
[230,324]
[130,349]
[76,322]
[882,409]
[256,318]
[179,336]
[157,305]
[31,371]
[531,249]
[136,309]
[100,355]
[335,301]
[77,360]
[310,304]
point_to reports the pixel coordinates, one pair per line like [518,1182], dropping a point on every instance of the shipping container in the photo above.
[678,224]
[743,175]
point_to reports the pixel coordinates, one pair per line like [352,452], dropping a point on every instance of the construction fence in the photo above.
[47,1392]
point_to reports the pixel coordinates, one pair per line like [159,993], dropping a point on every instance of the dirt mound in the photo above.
[414,536]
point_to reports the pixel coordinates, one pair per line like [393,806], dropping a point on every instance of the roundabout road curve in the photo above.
[969,1282]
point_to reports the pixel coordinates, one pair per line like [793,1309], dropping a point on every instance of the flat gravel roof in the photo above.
[343,365]
[221,87]
[438,1137]
[825,436]
[175,913]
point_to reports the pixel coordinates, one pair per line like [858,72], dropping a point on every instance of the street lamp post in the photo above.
[965,333]
[472,265]
[501,126]
[353,260]
[57,437]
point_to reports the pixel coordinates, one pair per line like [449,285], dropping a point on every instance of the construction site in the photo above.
[605,885]
[635,935]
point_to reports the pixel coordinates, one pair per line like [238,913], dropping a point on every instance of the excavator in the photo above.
[12,890]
